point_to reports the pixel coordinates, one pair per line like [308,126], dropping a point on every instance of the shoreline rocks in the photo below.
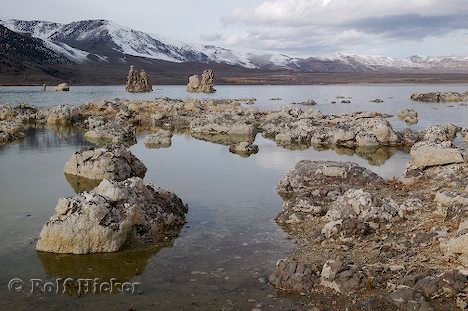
[112,162]
[112,217]
[384,237]
[202,84]
[437,97]
[138,82]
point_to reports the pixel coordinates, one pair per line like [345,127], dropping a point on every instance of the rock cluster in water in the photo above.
[138,82]
[203,84]
[437,97]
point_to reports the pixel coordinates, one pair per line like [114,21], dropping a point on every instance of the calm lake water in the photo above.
[230,242]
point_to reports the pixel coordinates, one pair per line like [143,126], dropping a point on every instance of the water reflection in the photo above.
[375,156]
[223,139]
[118,267]
[81,184]
[40,138]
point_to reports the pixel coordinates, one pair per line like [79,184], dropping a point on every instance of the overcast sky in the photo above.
[297,27]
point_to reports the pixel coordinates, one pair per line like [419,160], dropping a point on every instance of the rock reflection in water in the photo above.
[224,139]
[44,138]
[375,156]
[117,267]
[81,184]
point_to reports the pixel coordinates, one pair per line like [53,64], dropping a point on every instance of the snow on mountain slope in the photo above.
[37,29]
[102,40]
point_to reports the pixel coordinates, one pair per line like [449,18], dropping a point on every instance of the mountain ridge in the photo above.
[105,41]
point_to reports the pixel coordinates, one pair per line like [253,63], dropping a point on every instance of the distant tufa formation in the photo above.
[138,82]
[205,84]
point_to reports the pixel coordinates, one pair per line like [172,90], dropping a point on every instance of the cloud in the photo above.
[211,37]
[410,26]
[316,26]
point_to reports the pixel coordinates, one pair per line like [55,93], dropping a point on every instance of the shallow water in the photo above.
[230,242]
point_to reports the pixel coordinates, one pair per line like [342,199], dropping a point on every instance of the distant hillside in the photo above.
[100,51]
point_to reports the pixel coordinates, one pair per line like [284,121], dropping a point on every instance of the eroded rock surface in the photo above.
[111,162]
[111,132]
[111,217]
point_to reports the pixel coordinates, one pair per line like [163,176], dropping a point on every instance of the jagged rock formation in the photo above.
[111,162]
[138,82]
[111,217]
[203,84]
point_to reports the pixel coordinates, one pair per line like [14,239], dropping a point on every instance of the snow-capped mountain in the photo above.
[104,41]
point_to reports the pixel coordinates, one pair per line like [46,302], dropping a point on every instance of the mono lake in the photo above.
[230,243]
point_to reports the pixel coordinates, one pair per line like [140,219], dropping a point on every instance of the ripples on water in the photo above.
[230,242]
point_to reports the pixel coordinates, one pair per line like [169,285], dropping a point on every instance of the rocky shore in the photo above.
[379,242]
[369,241]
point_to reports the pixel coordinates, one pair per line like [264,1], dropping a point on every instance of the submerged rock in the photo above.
[436,97]
[160,139]
[203,84]
[111,162]
[138,82]
[293,276]
[308,102]
[113,216]
[63,87]
[244,148]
